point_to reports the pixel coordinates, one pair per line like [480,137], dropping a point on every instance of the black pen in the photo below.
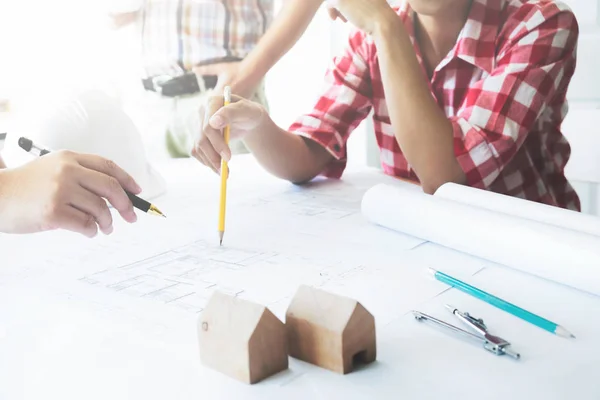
[139,203]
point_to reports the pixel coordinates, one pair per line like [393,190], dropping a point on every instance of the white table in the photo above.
[63,338]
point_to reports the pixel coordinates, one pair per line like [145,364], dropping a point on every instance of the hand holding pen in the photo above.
[67,190]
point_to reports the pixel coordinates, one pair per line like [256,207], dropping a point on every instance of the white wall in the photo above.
[295,82]
[582,126]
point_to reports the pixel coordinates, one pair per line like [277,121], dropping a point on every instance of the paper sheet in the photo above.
[186,277]
[278,236]
[563,256]
[521,208]
[123,308]
[262,210]
[119,309]
[62,347]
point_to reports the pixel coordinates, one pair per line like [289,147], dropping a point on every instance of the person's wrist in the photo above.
[264,119]
[243,86]
[263,123]
[386,24]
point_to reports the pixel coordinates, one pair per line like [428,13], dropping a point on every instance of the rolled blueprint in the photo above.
[510,205]
[561,255]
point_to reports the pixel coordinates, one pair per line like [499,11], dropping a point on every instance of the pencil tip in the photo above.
[560,331]
[221,242]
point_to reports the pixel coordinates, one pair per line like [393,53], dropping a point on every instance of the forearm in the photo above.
[421,128]
[288,27]
[123,19]
[286,155]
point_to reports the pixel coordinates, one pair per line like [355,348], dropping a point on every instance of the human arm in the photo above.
[338,110]
[64,190]
[123,19]
[282,153]
[422,131]
[532,69]
[243,77]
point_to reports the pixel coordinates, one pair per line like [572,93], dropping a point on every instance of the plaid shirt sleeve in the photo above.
[343,104]
[533,67]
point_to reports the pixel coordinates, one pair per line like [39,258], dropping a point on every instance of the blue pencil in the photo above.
[501,304]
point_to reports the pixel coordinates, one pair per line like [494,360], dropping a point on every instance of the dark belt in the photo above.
[185,84]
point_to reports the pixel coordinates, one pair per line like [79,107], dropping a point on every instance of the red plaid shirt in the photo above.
[503,87]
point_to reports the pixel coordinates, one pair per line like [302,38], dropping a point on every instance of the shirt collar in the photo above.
[476,42]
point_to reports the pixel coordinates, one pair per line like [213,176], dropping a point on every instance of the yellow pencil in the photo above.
[224,174]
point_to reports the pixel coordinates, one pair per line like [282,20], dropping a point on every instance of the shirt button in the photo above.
[336,147]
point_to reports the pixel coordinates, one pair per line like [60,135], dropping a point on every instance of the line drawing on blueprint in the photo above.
[305,205]
[187,276]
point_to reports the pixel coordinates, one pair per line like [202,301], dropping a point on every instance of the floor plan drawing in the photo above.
[186,277]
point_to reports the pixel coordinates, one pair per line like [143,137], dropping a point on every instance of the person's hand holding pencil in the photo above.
[241,116]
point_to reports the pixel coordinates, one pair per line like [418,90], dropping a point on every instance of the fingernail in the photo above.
[216,121]
[224,155]
[109,230]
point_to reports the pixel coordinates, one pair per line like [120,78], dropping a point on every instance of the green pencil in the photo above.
[502,304]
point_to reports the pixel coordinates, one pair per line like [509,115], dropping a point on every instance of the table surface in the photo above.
[63,338]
